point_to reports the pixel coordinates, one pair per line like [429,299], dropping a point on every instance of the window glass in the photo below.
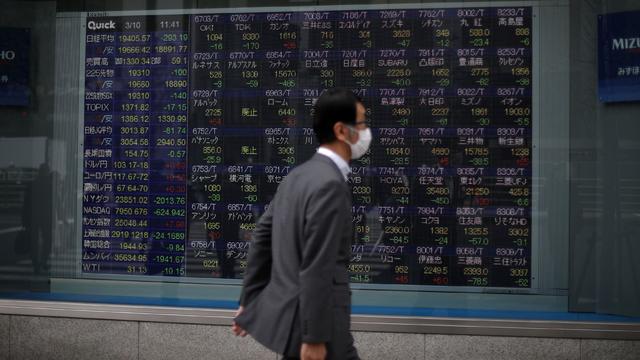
[141,144]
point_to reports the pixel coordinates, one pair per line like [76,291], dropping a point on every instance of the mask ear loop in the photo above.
[351,130]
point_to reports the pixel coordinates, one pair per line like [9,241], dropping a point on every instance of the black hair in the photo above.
[333,105]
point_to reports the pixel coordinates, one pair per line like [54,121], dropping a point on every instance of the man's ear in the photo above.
[340,131]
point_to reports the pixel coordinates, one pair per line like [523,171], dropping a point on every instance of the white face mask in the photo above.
[362,145]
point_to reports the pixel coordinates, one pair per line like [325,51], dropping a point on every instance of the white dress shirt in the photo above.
[344,167]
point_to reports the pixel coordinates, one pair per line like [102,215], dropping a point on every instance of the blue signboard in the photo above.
[14,66]
[619,56]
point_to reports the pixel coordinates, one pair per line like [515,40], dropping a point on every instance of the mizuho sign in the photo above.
[625,43]
[7,55]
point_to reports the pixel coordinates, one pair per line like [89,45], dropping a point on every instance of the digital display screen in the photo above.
[192,120]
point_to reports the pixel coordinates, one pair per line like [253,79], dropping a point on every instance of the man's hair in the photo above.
[333,105]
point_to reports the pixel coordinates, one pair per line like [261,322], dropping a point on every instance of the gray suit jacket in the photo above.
[296,286]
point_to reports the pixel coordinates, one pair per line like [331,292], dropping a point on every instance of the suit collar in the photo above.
[327,160]
[342,165]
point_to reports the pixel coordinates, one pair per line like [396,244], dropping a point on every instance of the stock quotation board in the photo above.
[192,120]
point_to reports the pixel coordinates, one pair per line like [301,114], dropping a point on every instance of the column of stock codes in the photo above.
[192,121]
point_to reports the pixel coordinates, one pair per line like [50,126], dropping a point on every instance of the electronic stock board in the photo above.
[191,120]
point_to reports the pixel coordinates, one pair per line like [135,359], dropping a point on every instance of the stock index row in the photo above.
[192,120]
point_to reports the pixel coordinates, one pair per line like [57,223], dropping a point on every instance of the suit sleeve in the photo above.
[259,260]
[323,229]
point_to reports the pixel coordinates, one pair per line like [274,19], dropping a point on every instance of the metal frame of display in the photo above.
[390,324]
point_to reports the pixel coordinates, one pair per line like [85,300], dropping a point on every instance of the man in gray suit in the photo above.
[295,298]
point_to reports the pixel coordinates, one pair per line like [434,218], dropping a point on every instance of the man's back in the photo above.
[309,221]
[296,218]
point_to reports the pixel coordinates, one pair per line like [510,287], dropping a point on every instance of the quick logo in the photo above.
[105,25]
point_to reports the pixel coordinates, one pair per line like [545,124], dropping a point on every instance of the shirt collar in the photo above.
[344,167]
